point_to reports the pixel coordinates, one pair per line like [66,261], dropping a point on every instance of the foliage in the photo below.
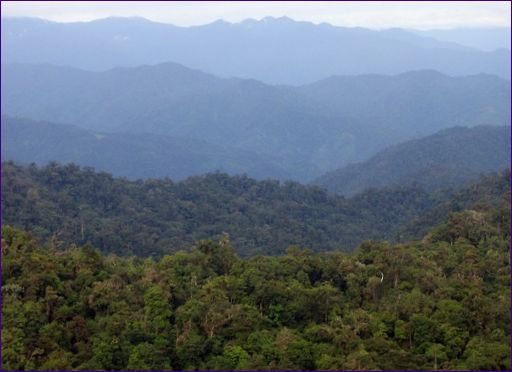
[442,303]
[65,205]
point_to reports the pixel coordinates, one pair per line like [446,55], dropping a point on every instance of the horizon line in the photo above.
[254,19]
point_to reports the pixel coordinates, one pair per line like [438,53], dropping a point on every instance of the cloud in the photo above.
[370,14]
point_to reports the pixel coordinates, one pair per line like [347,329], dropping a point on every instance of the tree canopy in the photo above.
[440,303]
[66,204]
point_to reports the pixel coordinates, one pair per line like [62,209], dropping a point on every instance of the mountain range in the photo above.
[304,131]
[132,155]
[273,50]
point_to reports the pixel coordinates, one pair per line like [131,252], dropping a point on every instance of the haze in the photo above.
[421,15]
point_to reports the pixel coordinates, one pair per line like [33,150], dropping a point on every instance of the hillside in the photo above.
[154,217]
[416,103]
[482,38]
[130,155]
[488,193]
[273,50]
[307,133]
[446,159]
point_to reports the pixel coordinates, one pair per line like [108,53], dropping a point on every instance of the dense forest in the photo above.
[71,205]
[72,301]
[439,303]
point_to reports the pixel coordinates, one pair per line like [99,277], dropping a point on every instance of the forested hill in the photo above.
[491,192]
[70,205]
[448,158]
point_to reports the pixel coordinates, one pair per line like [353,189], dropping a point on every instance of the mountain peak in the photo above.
[280,19]
[219,22]
[277,20]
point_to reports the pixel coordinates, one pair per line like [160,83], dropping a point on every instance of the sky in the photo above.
[420,15]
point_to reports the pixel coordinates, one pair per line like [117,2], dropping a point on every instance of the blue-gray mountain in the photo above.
[272,50]
[132,155]
[446,159]
[307,131]
[491,38]
[417,103]
[172,100]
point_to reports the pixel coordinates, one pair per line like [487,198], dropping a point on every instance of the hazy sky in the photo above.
[406,14]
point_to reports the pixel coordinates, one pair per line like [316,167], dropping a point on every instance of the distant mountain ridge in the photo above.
[489,39]
[273,50]
[446,159]
[132,155]
[417,102]
[308,130]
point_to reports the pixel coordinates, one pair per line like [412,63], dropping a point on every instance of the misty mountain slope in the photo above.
[309,132]
[170,99]
[274,50]
[489,39]
[446,159]
[128,154]
[103,100]
[417,102]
